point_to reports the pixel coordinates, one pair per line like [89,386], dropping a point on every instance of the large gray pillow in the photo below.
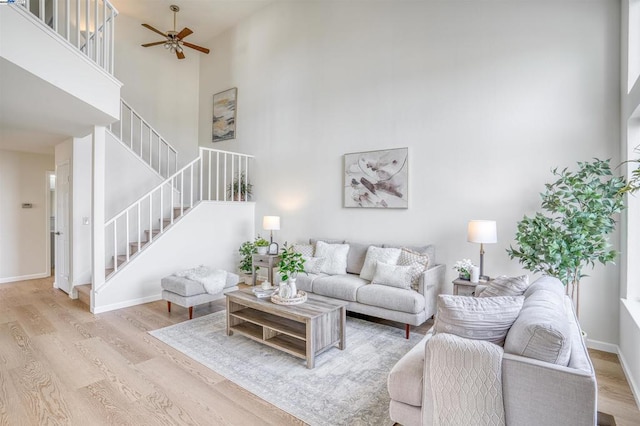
[477,318]
[506,286]
[542,330]
[356,256]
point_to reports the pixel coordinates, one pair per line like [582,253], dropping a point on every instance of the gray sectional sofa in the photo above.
[409,307]
[545,376]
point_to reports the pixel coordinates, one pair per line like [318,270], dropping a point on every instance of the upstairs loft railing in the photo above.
[89,25]
[210,177]
[138,135]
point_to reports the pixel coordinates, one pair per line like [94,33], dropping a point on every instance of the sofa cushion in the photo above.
[343,287]
[429,250]
[335,257]
[303,249]
[313,265]
[505,286]
[393,275]
[304,282]
[406,377]
[186,287]
[542,330]
[476,318]
[375,254]
[419,261]
[396,299]
[355,259]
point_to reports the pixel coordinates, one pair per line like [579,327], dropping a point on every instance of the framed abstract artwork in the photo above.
[377,179]
[224,115]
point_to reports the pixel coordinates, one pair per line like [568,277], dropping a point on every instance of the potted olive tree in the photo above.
[579,211]
[246,250]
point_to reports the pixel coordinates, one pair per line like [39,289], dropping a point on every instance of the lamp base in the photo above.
[485,278]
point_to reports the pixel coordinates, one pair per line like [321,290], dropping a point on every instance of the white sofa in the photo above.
[409,307]
[534,391]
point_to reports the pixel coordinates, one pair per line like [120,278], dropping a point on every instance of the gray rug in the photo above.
[345,387]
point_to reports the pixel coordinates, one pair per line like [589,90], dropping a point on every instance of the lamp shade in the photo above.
[271,223]
[482,231]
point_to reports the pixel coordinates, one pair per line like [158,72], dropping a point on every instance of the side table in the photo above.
[269,261]
[466,284]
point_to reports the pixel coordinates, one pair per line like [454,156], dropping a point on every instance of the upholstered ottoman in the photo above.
[189,293]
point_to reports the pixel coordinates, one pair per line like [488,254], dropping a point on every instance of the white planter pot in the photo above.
[262,250]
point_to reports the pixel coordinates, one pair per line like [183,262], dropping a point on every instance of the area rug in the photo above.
[345,387]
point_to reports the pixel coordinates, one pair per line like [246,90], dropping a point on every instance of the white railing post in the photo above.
[246,178]
[161,227]
[172,200]
[224,186]
[181,193]
[217,176]
[138,231]
[126,238]
[115,246]
[54,15]
[150,217]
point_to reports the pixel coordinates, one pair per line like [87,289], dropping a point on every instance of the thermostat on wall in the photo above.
[27,205]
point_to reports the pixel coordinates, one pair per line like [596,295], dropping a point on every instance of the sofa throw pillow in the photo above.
[378,254]
[335,257]
[313,265]
[393,275]
[488,318]
[418,261]
[303,249]
[506,286]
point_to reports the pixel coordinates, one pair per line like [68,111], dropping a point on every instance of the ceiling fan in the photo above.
[174,41]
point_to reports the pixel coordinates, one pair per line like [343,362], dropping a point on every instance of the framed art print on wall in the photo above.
[224,115]
[377,179]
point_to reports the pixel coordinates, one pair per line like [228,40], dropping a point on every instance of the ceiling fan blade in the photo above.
[154,30]
[153,44]
[185,32]
[179,54]
[196,47]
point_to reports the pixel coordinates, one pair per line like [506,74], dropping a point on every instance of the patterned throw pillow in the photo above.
[418,261]
[506,286]
[393,275]
[303,249]
[313,265]
[375,254]
[475,318]
[335,257]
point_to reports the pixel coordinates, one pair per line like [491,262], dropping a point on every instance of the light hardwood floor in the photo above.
[60,364]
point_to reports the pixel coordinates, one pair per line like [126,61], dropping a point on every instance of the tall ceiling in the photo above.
[207,18]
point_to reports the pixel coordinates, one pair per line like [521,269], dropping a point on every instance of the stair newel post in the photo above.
[126,238]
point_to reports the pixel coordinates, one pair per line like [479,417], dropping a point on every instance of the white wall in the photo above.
[488,96]
[205,236]
[161,88]
[24,233]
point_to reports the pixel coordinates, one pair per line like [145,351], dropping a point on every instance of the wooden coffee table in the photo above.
[303,330]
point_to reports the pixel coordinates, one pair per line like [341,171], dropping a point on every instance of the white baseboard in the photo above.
[602,346]
[126,304]
[635,389]
[24,278]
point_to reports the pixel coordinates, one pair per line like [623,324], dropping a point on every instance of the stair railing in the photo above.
[89,25]
[138,135]
[170,200]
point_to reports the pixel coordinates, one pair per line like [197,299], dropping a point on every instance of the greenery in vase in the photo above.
[240,188]
[246,250]
[261,242]
[580,209]
[464,268]
[291,263]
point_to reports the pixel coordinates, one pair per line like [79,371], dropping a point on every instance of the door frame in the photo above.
[50,208]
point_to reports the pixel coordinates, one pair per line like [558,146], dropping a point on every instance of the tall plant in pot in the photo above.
[246,250]
[240,189]
[571,233]
[291,264]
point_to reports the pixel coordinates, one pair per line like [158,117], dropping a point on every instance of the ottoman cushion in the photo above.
[186,287]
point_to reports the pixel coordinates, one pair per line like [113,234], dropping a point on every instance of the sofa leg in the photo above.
[407,327]
[190,312]
[168,306]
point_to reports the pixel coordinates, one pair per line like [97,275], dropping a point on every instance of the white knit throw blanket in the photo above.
[213,280]
[463,382]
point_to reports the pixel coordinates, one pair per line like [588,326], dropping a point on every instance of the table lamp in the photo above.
[483,232]
[271,223]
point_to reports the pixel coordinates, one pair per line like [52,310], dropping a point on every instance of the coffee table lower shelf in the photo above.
[303,331]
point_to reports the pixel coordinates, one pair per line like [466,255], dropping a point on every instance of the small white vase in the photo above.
[292,287]
[262,250]
[285,290]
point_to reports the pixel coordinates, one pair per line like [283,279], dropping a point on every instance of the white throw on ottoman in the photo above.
[195,286]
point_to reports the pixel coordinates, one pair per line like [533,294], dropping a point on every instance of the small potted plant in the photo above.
[246,250]
[464,268]
[261,245]
[240,189]
[291,264]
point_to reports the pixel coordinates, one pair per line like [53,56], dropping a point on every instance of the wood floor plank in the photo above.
[120,340]
[12,410]
[32,320]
